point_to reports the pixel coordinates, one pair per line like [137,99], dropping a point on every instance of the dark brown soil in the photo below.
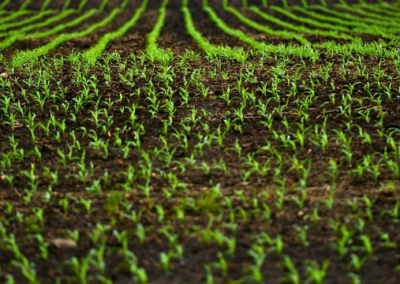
[244,193]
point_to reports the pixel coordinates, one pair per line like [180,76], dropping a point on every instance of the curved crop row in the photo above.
[103,5]
[233,32]
[94,52]
[23,6]
[20,34]
[5,3]
[391,7]
[45,5]
[381,8]
[26,21]
[305,20]
[285,4]
[61,27]
[209,48]
[264,29]
[14,16]
[301,51]
[16,35]
[23,56]
[66,4]
[362,28]
[152,49]
[303,29]
[376,18]
[82,5]
[351,20]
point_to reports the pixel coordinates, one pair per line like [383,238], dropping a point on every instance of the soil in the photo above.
[196,252]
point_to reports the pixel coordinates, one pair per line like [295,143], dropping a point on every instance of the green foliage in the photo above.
[113,201]
[82,5]
[94,52]
[4,4]
[152,50]
[24,5]
[66,5]
[265,29]
[238,157]
[16,35]
[24,56]
[45,4]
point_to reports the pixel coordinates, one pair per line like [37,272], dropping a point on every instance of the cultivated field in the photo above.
[170,141]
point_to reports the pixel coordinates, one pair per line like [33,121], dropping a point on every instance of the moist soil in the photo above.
[212,110]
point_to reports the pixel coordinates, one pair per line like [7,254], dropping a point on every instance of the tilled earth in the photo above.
[203,211]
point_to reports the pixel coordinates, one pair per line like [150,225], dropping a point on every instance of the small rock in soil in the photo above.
[4,75]
[64,243]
